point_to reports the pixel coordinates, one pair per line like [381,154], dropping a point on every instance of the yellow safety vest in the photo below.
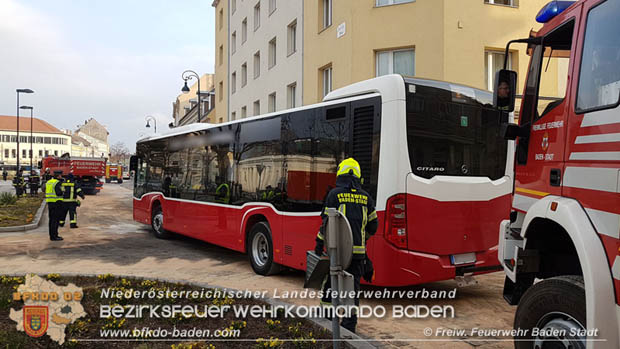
[71,196]
[50,191]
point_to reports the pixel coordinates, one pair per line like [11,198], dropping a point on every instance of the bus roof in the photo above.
[389,87]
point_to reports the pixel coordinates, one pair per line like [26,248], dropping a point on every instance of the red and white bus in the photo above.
[430,152]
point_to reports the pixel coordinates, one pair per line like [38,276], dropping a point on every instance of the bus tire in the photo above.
[557,305]
[157,223]
[260,250]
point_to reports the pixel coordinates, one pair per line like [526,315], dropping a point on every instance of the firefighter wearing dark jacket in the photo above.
[71,191]
[34,182]
[359,208]
[53,197]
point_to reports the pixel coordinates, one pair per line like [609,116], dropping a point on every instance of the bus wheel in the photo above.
[260,250]
[157,223]
[553,312]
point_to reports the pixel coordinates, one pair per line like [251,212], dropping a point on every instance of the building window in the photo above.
[327,13]
[272,103]
[30,154]
[221,19]
[257,16]
[24,153]
[291,42]
[6,153]
[257,107]
[244,74]
[233,82]
[326,74]
[221,54]
[40,153]
[244,112]
[233,43]
[13,153]
[233,6]
[393,2]
[396,62]
[272,53]
[291,92]
[256,64]
[47,153]
[55,152]
[514,3]
[221,90]
[244,30]
[233,116]
[493,62]
[272,6]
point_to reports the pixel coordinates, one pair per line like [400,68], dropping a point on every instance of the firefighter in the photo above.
[53,197]
[4,174]
[71,191]
[359,208]
[222,193]
[18,183]
[34,183]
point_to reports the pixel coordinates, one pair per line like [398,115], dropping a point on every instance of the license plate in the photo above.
[465,258]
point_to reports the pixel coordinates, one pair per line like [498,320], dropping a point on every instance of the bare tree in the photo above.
[119,152]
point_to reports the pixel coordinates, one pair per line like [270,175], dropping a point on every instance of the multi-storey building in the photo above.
[185,107]
[46,140]
[341,42]
[97,135]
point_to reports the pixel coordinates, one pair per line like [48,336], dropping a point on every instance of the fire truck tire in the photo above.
[157,223]
[260,250]
[120,181]
[552,311]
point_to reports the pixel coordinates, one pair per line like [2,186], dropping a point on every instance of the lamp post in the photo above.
[20,90]
[31,153]
[149,118]
[188,75]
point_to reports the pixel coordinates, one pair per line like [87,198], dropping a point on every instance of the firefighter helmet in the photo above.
[349,166]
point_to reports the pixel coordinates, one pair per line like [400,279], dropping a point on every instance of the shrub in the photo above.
[7,199]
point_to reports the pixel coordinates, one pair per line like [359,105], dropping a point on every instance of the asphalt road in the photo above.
[108,241]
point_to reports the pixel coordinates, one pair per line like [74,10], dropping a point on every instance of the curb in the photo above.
[30,226]
[348,337]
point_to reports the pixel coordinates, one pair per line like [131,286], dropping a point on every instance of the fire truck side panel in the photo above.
[600,298]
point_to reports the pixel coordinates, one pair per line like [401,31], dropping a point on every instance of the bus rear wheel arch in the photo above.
[260,249]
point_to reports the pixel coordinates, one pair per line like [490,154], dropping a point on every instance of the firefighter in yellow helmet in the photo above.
[359,208]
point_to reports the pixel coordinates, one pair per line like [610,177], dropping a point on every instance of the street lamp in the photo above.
[20,90]
[188,75]
[31,153]
[148,119]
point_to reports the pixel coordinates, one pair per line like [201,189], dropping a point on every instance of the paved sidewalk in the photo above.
[108,241]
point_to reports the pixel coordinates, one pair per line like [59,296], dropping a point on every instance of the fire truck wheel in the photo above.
[157,223]
[107,180]
[553,312]
[120,181]
[260,250]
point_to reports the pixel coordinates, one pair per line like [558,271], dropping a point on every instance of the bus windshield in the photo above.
[454,131]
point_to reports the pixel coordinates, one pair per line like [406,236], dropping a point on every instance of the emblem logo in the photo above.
[464,169]
[545,141]
[35,320]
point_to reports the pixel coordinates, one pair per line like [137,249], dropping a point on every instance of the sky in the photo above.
[115,61]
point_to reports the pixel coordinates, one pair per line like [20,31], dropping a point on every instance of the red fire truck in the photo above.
[114,172]
[87,171]
[560,249]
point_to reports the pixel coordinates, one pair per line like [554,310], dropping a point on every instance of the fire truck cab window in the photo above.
[599,80]
[554,69]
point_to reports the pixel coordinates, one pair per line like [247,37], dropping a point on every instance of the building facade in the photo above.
[265,47]
[97,135]
[185,107]
[46,140]
[221,60]
[347,41]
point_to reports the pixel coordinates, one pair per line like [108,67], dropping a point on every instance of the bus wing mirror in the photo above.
[512,131]
[504,92]
[133,163]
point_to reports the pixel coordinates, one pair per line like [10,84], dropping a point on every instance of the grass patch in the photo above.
[20,213]
[277,332]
